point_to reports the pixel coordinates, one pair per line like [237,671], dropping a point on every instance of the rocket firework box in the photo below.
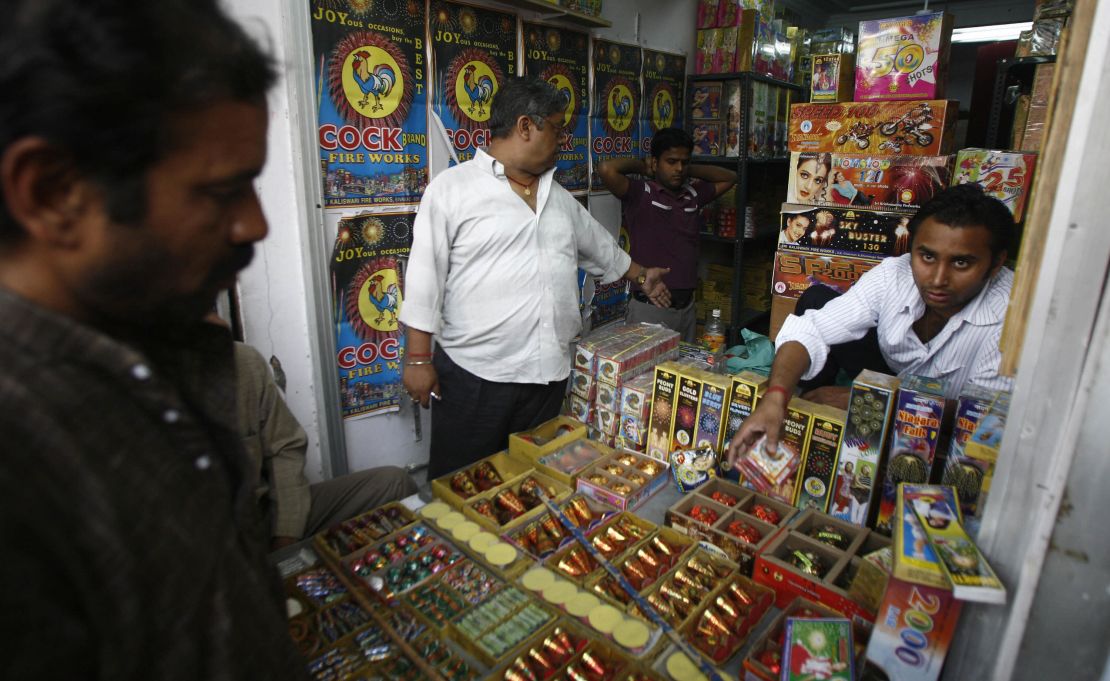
[849,231]
[867,180]
[918,128]
[797,270]
[1005,175]
[904,58]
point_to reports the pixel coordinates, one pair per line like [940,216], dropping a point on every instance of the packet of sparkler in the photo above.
[692,467]
[765,469]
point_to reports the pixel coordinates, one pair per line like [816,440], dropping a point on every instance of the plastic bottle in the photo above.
[713,338]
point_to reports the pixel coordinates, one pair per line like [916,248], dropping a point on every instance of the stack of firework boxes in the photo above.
[860,168]
[604,363]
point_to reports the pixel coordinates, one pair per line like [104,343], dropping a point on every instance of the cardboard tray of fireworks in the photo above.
[818,557]
[355,534]
[623,479]
[459,486]
[530,445]
[501,508]
[497,629]
[544,535]
[765,655]
[569,459]
[735,519]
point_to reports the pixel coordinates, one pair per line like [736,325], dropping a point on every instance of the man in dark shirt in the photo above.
[130,136]
[662,216]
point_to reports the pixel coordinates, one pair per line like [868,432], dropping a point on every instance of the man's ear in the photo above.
[999,261]
[42,190]
[525,126]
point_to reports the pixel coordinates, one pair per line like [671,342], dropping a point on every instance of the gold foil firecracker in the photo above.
[649,468]
[621,489]
[485,507]
[543,542]
[569,566]
[594,665]
[530,489]
[486,476]
[727,608]
[552,528]
[663,607]
[599,479]
[520,671]
[581,509]
[627,460]
[635,573]
[693,580]
[662,547]
[649,560]
[677,598]
[713,618]
[602,544]
[575,673]
[582,559]
[705,568]
[614,469]
[637,479]
[555,648]
[508,501]
[463,485]
[544,665]
[530,536]
[740,595]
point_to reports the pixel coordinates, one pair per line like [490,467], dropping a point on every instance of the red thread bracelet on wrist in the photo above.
[778,388]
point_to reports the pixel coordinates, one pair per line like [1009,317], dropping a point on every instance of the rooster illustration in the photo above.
[663,106]
[565,95]
[384,299]
[622,108]
[378,82]
[480,89]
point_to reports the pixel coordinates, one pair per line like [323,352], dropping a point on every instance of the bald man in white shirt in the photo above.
[493,277]
[936,311]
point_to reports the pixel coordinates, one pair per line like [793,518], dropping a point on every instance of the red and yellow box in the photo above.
[919,128]
[797,270]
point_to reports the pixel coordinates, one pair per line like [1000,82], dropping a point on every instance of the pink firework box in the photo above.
[867,180]
[844,230]
[797,270]
[707,40]
[708,13]
[913,128]
[1005,175]
[904,58]
[724,61]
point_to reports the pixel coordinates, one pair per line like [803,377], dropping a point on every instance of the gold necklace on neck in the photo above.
[527,187]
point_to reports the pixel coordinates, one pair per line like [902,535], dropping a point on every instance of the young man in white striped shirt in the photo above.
[936,311]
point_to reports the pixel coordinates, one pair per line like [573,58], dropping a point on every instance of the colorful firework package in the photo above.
[917,128]
[925,615]
[692,468]
[847,231]
[546,438]
[903,58]
[623,479]
[818,648]
[818,468]
[687,402]
[833,77]
[615,353]
[798,269]
[921,425]
[871,180]
[984,442]
[746,388]
[818,557]
[455,488]
[636,397]
[1005,175]
[915,559]
[963,472]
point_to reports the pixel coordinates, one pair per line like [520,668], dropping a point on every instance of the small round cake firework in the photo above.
[766,514]
[831,535]
[807,562]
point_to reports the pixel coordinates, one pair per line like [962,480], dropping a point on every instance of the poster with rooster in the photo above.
[371,92]
[664,85]
[560,57]
[367,279]
[473,52]
[614,118]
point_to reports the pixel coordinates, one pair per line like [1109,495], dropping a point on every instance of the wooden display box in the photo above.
[774,566]
[579,566]
[474,634]
[351,536]
[672,587]
[772,639]
[561,490]
[762,598]
[373,566]
[546,437]
[599,482]
[506,466]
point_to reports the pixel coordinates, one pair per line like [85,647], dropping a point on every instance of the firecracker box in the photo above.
[583,384]
[705,50]
[985,441]
[903,58]
[869,584]
[635,397]
[545,535]
[707,13]
[636,353]
[833,78]
[961,471]
[458,486]
[817,557]
[818,644]
[663,404]
[796,425]
[844,230]
[608,422]
[818,468]
[508,505]
[717,613]
[744,522]
[633,431]
[1005,175]
[914,558]
[355,534]
[919,128]
[687,401]
[918,438]
[764,659]
[796,270]
[623,479]
[924,615]
[496,629]
[547,437]
[746,389]
[781,308]
[711,410]
[870,415]
[608,397]
[579,409]
[872,181]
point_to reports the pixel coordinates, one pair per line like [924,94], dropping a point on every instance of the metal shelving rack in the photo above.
[1011,72]
[741,316]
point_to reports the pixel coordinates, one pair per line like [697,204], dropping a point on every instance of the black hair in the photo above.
[532,97]
[821,157]
[106,81]
[669,138]
[966,205]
